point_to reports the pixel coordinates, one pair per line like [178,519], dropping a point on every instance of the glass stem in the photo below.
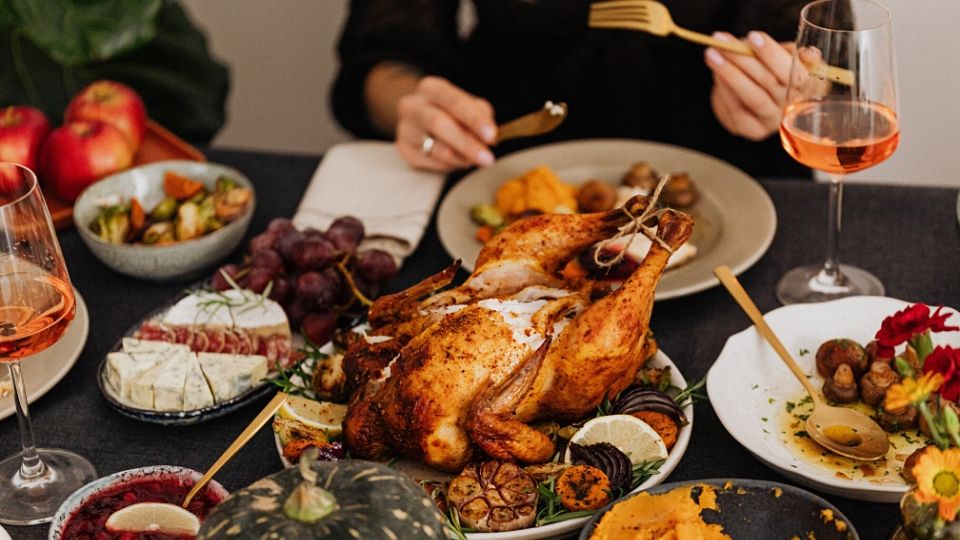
[30,465]
[830,275]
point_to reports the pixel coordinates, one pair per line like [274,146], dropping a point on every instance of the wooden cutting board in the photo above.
[159,144]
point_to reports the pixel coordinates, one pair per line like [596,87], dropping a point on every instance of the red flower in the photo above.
[945,361]
[903,325]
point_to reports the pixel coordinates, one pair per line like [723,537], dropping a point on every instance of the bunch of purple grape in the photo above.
[318,277]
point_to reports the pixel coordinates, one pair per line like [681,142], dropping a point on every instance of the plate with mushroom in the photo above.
[735,219]
[763,406]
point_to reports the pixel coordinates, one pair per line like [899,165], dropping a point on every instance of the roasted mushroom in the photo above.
[680,191]
[911,462]
[834,352]
[641,175]
[842,387]
[874,383]
[872,350]
[494,496]
[898,420]
[596,196]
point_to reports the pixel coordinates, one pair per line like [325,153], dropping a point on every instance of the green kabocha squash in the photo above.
[348,499]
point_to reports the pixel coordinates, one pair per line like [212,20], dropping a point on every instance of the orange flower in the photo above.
[911,391]
[938,480]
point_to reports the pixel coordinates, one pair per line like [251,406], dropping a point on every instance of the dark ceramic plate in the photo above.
[175,418]
[751,509]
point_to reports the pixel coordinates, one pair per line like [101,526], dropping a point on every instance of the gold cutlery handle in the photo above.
[736,46]
[265,415]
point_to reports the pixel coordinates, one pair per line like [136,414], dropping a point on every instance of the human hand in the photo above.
[460,124]
[749,92]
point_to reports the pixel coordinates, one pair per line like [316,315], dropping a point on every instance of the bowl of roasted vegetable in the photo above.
[170,220]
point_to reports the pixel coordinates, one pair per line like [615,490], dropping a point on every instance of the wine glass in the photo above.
[840,117]
[36,306]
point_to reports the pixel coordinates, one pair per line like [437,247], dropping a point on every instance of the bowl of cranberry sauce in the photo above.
[83,515]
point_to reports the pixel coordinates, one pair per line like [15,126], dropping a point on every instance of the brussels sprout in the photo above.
[113,224]
[485,214]
[225,184]
[159,233]
[165,210]
[230,204]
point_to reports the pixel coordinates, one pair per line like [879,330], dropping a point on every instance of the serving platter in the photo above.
[752,392]
[44,370]
[735,219]
[745,511]
[174,418]
[564,528]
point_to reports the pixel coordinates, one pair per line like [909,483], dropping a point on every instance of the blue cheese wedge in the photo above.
[168,383]
[138,357]
[196,391]
[230,375]
[123,369]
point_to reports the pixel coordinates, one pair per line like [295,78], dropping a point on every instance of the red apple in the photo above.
[78,153]
[22,130]
[112,103]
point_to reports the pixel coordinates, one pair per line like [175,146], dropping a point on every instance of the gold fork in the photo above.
[654,18]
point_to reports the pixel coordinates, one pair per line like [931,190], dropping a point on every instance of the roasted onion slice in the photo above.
[609,459]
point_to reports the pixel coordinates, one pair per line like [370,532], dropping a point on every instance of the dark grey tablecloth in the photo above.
[906,236]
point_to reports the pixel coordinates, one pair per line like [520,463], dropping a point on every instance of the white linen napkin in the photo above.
[370,181]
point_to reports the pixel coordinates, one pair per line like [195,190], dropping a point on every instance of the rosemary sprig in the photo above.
[456,529]
[296,379]
[643,471]
[691,393]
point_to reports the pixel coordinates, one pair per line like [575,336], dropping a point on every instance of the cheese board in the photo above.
[205,354]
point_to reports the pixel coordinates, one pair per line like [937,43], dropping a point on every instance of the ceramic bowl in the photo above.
[179,261]
[84,494]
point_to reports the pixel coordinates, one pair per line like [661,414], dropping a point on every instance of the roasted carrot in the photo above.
[138,218]
[179,186]
[662,423]
[583,487]
[484,233]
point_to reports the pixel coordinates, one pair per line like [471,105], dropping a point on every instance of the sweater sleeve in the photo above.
[779,18]
[420,33]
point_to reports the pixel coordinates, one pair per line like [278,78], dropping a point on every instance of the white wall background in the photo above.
[283,60]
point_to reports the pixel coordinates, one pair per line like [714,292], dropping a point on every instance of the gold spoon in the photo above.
[265,415]
[840,430]
[538,122]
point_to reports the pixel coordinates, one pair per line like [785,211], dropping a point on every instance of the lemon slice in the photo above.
[316,414]
[632,436]
[151,517]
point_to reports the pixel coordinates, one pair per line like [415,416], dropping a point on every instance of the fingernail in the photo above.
[488,133]
[722,36]
[485,158]
[714,57]
[756,38]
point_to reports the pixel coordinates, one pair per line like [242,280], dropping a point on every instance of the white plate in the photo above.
[563,528]
[749,382]
[734,219]
[44,370]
